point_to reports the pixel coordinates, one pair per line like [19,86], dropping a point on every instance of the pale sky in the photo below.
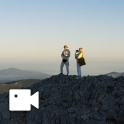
[33,33]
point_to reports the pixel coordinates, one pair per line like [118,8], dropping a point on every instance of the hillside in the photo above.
[64,100]
[4,87]
[13,74]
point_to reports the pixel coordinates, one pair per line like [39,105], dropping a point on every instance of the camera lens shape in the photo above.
[16,95]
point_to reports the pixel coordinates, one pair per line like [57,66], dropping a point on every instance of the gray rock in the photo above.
[64,100]
[85,117]
[69,95]
[5,114]
[76,96]
[101,122]
[45,118]
[32,122]
[38,118]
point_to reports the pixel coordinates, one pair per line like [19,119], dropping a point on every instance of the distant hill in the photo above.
[13,74]
[4,87]
[115,74]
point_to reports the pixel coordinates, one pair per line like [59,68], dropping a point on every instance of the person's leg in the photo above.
[67,67]
[80,70]
[61,67]
[77,69]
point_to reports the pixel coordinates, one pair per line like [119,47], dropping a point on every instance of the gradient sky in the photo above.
[33,33]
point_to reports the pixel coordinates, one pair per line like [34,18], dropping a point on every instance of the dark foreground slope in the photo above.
[64,100]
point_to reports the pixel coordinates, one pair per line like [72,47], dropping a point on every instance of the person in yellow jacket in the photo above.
[80,55]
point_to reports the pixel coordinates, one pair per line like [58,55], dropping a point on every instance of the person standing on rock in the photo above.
[65,59]
[80,61]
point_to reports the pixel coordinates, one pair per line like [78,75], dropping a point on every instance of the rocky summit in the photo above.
[66,100]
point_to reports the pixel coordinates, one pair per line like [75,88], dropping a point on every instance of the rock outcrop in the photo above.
[65,100]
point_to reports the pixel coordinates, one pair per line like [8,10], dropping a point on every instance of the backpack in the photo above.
[81,61]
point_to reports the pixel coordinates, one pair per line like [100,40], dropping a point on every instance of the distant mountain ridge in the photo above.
[13,74]
[115,74]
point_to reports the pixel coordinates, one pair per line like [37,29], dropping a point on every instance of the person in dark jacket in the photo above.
[65,59]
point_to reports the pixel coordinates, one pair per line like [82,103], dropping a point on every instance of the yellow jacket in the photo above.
[81,59]
[80,56]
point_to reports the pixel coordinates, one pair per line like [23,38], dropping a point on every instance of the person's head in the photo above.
[77,51]
[80,50]
[65,47]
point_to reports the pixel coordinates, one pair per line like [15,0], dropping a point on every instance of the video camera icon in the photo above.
[21,100]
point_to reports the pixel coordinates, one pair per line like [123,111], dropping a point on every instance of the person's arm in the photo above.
[62,54]
[76,56]
[69,54]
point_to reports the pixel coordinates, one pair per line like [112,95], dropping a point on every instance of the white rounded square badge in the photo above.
[21,100]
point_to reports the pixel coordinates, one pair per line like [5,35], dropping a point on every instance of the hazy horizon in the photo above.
[33,34]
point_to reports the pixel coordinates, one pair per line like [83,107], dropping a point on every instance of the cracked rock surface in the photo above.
[65,100]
